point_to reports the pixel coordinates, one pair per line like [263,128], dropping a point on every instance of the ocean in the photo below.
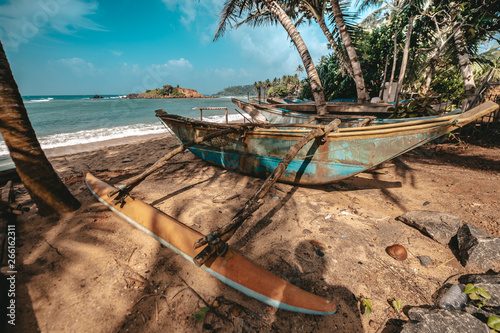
[61,121]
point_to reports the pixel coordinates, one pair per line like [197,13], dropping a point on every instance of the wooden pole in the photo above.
[218,238]
[134,181]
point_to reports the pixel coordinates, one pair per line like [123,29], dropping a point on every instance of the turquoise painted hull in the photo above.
[258,152]
[257,149]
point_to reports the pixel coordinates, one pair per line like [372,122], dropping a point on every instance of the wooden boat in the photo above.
[267,113]
[257,148]
[347,108]
[230,267]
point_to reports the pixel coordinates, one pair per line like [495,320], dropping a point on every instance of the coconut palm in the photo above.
[233,9]
[351,51]
[299,69]
[37,174]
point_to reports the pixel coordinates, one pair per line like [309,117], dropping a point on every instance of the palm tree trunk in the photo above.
[381,93]
[405,59]
[346,66]
[394,62]
[37,174]
[465,68]
[351,52]
[312,74]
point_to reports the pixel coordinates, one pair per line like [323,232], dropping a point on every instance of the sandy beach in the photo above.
[90,271]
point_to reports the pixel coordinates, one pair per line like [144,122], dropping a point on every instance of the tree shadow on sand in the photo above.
[307,268]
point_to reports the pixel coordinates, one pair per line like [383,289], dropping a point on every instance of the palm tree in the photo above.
[234,8]
[317,10]
[37,174]
[351,51]
[299,69]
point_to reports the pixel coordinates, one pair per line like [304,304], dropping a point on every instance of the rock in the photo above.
[425,260]
[477,249]
[97,97]
[439,226]
[480,278]
[424,320]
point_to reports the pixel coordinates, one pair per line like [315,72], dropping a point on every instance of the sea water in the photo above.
[61,121]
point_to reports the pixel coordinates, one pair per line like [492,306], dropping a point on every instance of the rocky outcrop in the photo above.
[439,226]
[169,92]
[477,249]
[431,321]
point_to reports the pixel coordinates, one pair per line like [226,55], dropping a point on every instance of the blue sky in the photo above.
[58,47]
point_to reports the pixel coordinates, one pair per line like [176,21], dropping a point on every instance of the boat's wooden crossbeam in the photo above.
[125,189]
[216,241]
[212,108]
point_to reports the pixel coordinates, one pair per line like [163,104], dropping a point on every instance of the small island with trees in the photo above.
[167,91]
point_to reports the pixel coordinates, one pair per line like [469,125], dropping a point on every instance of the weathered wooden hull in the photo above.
[268,113]
[349,108]
[231,268]
[345,153]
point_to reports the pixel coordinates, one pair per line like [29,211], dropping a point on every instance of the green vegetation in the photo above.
[199,315]
[167,90]
[475,293]
[494,324]
[237,91]
[397,305]
[367,304]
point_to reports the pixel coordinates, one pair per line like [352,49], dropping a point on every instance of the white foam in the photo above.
[109,133]
[39,100]
[95,135]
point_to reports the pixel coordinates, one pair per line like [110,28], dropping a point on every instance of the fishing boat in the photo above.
[348,108]
[256,149]
[265,113]
[269,113]
[379,110]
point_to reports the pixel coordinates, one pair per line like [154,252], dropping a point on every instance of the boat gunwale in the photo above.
[404,127]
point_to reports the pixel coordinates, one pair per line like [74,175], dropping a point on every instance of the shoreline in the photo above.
[90,146]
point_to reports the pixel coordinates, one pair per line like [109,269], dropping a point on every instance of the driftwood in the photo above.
[134,181]
[216,241]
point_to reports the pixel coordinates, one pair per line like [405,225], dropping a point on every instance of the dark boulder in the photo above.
[477,249]
[439,226]
[431,321]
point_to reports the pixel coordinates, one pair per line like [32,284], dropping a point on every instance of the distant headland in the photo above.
[167,91]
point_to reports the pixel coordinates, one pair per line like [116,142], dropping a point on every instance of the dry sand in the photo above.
[90,271]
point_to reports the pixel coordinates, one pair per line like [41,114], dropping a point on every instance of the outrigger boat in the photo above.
[263,113]
[346,108]
[316,154]
[256,149]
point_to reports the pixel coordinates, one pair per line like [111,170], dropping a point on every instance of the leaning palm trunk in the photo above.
[345,65]
[465,68]
[351,52]
[394,62]
[405,59]
[43,184]
[312,74]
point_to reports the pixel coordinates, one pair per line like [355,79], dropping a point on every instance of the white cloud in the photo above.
[24,20]
[153,76]
[270,47]
[192,9]
[116,53]
[79,67]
